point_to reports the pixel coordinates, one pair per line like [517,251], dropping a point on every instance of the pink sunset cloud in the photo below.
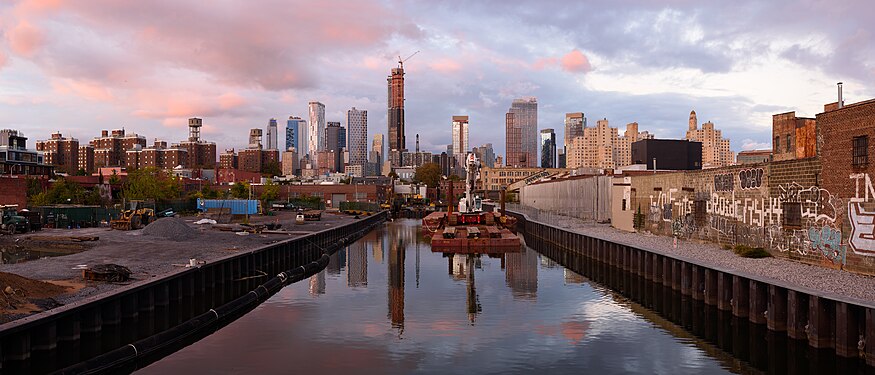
[25,39]
[576,62]
[446,66]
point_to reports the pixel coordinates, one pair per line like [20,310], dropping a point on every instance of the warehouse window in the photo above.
[789,143]
[792,214]
[777,144]
[861,151]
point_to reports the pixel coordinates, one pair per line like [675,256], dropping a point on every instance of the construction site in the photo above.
[54,267]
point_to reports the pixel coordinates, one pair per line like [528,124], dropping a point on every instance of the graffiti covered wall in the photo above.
[779,206]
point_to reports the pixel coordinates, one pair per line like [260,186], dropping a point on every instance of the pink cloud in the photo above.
[3,59]
[576,62]
[157,104]
[544,62]
[446,66]
[240,45]
[83,89]
[25,39]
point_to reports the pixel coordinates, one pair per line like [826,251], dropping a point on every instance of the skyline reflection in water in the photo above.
[388,304]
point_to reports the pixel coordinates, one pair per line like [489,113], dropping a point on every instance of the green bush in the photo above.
[751,252]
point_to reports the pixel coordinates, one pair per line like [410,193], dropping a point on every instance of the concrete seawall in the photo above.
[88,328]
[825,321]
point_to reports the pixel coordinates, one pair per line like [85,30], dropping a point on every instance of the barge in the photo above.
[471,230]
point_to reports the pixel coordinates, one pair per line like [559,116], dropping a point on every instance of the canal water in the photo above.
[387,304]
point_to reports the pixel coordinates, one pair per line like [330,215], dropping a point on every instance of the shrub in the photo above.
[751,252]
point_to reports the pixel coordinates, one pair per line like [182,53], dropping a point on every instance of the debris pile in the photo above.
[107,272]
[18,293]
[171,228]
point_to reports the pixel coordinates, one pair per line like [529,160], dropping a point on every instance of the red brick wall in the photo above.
[13,191]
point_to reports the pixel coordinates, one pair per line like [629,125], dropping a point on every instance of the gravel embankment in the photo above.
[791,273]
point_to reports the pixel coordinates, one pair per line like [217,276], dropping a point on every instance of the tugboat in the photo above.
[470,230]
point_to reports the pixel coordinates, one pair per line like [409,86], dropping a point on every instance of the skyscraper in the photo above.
[296,130]
[548,148]
[486,155]
[575,122]
[333,137]
[397,140]
[341,138]
[357,121]
[521,140]
[316,130]
[272,136]
[460,137]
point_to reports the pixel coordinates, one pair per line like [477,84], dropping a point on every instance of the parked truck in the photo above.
[11,222]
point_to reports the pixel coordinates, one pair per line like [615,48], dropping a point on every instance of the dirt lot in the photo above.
[147,256]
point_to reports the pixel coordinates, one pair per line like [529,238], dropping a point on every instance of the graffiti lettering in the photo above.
[750,178]
[827,242]
[724,182]
[862,238]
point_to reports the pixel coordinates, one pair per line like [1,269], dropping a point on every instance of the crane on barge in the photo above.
[470,229]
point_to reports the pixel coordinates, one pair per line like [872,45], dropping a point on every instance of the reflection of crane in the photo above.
[402,61]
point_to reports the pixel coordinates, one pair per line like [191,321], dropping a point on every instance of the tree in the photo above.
[114,179]
[150,183]
[270,191]
[271,169]
[34,187]
[455,178]
[428,174]
[61,192]
[81,172]
[240,190]
[393,175]
[206,192]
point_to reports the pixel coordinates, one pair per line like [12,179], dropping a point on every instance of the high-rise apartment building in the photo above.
[602,147]
[316,130]
[86,158]
[715,148]
[62,152]
[357,121]
[272,136]
[296,129]
[397,140]
[460,137]
[548,148]
[521,123]
[575,122]
[110,149]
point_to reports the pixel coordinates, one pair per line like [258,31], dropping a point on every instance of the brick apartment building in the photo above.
[62,152]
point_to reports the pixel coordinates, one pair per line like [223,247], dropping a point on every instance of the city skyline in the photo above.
[650,73]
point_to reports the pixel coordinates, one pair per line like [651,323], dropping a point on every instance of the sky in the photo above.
[81,66]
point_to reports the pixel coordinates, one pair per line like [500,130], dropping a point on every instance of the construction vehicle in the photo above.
[11,222]
[135,218]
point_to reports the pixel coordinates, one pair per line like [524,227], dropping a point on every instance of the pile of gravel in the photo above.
[171,228]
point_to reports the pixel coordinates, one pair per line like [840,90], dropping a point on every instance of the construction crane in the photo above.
[401,61]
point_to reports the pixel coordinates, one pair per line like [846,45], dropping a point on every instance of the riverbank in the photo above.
[147,256]
[824,279]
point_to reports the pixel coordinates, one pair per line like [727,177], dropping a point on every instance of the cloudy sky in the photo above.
[81,66]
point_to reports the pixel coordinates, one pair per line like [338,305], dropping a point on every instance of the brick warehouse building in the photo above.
[847,135]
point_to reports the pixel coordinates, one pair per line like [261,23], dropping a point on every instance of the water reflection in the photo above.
[511,313]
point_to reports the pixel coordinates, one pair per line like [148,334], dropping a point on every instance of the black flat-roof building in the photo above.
[669,154]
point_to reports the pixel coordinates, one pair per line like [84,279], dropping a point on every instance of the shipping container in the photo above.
[237,206]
